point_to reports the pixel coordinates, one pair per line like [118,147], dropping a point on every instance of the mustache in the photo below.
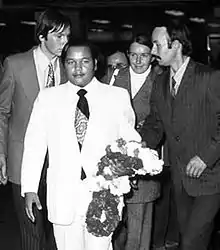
[155,57]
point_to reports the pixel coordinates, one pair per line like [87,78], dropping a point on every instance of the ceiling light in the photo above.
[128,26]
[2,24]
[214,25]
[32,23]
[174,12]
[197,20]
[96,30]
[101,21]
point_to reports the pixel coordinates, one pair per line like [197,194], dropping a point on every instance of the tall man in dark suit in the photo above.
[25,74]
[138,79]
[185,106]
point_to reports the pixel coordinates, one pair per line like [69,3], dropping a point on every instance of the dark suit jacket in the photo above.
[191,123]
[19,87]
[148,190]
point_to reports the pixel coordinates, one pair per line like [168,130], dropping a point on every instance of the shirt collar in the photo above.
[43,59]
[90,86]
[180,72]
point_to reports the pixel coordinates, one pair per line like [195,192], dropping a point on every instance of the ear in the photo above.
[176,44]
[41,38]
[95,66]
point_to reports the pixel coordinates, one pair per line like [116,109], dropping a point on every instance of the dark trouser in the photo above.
[135,231]
[165,225]
[196,218]
[38,235]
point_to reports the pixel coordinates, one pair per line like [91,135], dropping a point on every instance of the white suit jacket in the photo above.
[51,126]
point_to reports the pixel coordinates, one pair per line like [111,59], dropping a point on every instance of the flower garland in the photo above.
[102,216]
[121,161]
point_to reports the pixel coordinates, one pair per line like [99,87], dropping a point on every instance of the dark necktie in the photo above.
[81,120]
[50,77]
[173,91]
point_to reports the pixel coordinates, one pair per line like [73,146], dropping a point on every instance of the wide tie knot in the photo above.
[81,92]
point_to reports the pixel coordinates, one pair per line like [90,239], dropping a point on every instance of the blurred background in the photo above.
[111,23]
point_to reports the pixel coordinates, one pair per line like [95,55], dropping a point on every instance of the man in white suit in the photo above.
[52,126]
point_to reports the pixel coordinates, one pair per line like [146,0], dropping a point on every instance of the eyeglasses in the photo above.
[142,56]
[117,66]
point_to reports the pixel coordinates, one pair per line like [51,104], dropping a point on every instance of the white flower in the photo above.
[151,162]
[95,183]
[120,186]
[133,148]
[107,171]
[114,147]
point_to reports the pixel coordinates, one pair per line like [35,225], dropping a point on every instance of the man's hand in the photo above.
[3,175]
[195,167]
[31,199]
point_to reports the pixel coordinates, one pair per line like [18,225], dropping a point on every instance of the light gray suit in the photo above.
[18,89]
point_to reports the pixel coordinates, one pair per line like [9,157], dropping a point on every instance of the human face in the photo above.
[79,65]
[139,57]
[53,44]
[117,60]
[164,55]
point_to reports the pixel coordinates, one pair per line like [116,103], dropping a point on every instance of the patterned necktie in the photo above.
[81,120]
[173,91]
[50,77]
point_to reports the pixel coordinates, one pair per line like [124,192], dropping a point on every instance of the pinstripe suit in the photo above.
[19,87]
[191,123]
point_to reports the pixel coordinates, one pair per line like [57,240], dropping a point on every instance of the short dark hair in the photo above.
[143,39]
[178,30]
[80,43]
[51,20]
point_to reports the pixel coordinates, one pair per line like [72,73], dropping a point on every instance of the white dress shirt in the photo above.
[178,75]
[41,63]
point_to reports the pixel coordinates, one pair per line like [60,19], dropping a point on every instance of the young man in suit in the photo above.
[73,153]
[185,106]
[25,74]
[138,78]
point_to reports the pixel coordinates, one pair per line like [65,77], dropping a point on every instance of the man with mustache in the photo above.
[25,74]
[185,107]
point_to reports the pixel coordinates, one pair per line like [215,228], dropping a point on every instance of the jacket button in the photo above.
[177,138]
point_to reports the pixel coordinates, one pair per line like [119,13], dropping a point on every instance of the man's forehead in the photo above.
[79,52]
[116,58]
[159,33]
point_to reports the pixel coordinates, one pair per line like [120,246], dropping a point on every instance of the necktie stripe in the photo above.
[173,90]
[50,77]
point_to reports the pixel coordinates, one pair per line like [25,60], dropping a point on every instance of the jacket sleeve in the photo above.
[7,86]
[152,131]
[211,153]
[127,120]
[35,147]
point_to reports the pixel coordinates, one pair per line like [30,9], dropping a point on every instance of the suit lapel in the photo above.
[29,78]
[124,80]
[186,80]
[146,87]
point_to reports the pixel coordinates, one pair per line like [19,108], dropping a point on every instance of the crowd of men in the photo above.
[155,94]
